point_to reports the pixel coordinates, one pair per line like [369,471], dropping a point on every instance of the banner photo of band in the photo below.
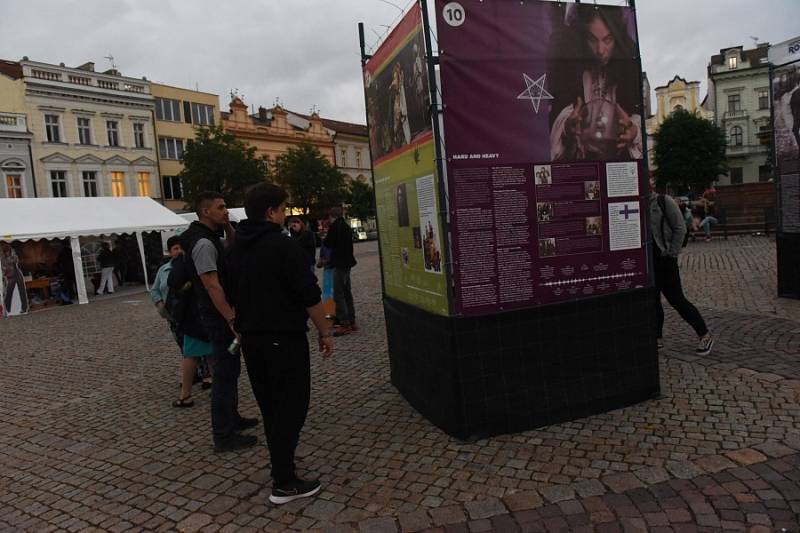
[397,96]
[549,198]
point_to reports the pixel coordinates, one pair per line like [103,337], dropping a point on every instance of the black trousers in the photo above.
[343,296]
[668,283]
[279,368]
[224,391]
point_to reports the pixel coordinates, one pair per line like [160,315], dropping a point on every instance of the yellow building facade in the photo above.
[272,133]
[178,112]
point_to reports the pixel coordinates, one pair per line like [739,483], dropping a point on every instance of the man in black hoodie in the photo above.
[340,240]
[274,294]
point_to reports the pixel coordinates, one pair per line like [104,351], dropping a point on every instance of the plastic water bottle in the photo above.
[234,347]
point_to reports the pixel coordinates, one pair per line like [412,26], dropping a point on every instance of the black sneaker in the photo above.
[294,490]
[246,423]
[705,345]
[234,442]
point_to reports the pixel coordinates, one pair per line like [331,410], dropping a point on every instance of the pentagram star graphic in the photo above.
[535,91]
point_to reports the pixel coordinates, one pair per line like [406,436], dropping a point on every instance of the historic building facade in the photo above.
[16,168]
[738,97]
[676,94]
[177,113]
[272,132]
[92,133]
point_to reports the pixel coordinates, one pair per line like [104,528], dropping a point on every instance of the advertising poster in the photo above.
[542,118]
[786,113]
[404,168]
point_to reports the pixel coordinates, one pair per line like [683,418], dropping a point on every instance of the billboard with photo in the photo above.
[545,169]
[786,127]
[404,168]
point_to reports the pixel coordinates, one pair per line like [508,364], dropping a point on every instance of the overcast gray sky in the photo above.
[305,52]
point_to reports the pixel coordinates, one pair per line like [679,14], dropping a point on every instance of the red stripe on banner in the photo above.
[408,25]
[419,140]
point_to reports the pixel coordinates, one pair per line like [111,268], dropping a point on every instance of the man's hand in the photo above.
[326,346]
[629,129]
[573,126]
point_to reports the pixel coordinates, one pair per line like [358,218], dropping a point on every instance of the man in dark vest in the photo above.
[202,244]
[340,240]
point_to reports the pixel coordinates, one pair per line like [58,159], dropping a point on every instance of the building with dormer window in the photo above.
[738,96]
[91,132]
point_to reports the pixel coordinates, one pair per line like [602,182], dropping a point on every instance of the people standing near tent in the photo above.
[340,241]
[106,260]
[274,295]
[208,266]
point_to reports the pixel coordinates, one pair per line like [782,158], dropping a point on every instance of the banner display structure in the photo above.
[547,202]
[404,168]
[785,82]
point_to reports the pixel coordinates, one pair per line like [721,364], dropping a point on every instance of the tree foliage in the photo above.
[217,161]
[361,199]
[689,152]
[313,183]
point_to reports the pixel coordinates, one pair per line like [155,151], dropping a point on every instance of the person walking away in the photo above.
[304,238]
[106,260]
[274,294]
[668,230]
[208,267]
[340,241]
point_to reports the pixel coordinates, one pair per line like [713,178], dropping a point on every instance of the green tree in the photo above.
[361,199]
[689,152]
[314,185]
[217,161]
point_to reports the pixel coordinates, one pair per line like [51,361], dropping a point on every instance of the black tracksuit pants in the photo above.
[668,283]
[279,368]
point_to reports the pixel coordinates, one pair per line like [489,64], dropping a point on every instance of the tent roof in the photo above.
[235,214]
[23,219]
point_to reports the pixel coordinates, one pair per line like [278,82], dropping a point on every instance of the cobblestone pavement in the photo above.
[88,439]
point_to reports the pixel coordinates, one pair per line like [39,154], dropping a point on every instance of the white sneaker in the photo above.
[705,345]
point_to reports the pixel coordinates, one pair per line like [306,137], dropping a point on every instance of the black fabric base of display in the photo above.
[475,377]
[788,250]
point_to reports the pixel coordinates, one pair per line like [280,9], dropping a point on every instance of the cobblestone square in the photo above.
[89,441]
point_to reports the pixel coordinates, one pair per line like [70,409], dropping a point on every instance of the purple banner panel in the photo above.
[542,116]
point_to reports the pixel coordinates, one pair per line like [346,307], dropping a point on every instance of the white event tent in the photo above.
[23,219]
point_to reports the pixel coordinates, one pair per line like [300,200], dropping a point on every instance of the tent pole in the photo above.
[144,261]
[80,277]
[3,310]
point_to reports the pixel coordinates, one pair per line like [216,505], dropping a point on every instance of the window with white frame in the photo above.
[173,189]
[736,136]
[52,128]
[58,183]
[734,103]
[84,130]
[170,148]
[168,109]
[112,128]
[118,184]
[138,134]
[143,183]
[89,182]
[733,62]
[358,158]
[763,98]
[202,115]
[343,157]
[14,186]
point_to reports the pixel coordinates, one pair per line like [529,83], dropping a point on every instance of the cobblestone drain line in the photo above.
[87,441]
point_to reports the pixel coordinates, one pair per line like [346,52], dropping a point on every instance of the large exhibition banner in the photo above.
[404,168]
[542,122]
[786,113]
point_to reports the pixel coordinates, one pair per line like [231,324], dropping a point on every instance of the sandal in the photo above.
[206,385]
[183,402]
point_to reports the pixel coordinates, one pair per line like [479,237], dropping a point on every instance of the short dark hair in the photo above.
[335,212]
[262,197]
[205,199]
[172,241]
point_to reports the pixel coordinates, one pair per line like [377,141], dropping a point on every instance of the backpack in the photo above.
[662,204]
[180,299]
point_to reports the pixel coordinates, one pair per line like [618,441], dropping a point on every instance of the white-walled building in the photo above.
[92,133]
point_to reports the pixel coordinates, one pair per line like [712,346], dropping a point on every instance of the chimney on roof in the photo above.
[262,113]
[88,66]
